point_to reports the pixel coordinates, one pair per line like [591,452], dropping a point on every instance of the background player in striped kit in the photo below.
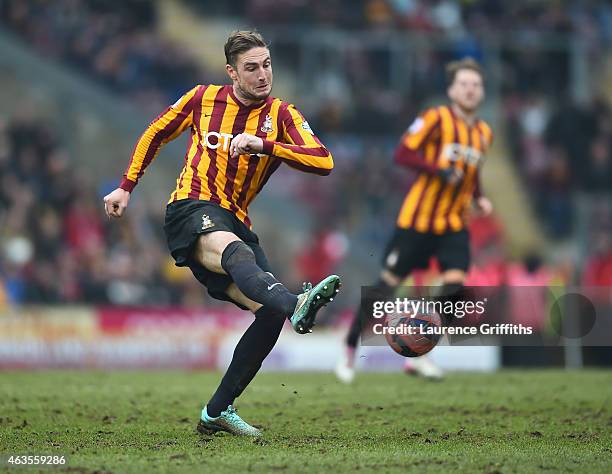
[239,136]
[446,147]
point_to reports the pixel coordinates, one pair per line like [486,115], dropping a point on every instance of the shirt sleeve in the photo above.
[299,147]
[165,128]
[409,151]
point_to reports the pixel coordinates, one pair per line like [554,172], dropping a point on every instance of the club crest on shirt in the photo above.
[267,125]
[206,222]
[306,126]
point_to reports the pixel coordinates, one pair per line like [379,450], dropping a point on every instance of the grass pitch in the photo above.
[143,422]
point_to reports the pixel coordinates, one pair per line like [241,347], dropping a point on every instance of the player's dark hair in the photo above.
[240,41]
[454,67]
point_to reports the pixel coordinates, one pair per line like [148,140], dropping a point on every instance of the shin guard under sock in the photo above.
[238,260]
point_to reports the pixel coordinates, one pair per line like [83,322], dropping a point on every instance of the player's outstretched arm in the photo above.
[116,202]
[410,150]
[166,127]
[413,159]
[298,146]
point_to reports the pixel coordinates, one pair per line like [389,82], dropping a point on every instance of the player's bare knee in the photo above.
[209,249]
[216,242]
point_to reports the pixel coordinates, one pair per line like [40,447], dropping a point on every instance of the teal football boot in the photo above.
[228,421]
[311,301]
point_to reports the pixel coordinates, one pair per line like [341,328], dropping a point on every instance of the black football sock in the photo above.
[238,260]
[272,324]
[379,292]
[253,347]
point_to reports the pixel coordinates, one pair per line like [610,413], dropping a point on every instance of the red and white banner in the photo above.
[115,337]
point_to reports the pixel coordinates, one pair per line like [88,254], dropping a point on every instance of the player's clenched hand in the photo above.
[484,206]
[245,144]
[116,202]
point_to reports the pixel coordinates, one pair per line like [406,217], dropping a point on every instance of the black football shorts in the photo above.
[410,250]
[186,220]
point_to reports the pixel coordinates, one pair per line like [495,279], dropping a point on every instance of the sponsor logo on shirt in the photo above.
[214,140]
[454,152]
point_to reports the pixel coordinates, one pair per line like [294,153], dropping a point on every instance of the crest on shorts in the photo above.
[267,125]
[206,222]
[392,258]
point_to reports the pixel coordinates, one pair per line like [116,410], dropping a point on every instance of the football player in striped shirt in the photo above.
[239,135]
[445,146]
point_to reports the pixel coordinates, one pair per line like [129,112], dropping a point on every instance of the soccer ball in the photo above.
[407,334]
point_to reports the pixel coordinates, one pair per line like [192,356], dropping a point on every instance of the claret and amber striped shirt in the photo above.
[440,139]
[215,115]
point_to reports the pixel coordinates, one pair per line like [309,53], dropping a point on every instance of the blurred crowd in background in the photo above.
[418,15]
[114,43]
[57,245]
